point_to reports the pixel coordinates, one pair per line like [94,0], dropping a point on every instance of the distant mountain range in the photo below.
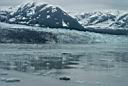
[44,15]
[104,19]
[105,22]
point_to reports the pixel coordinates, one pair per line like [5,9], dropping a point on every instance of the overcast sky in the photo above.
[75,5]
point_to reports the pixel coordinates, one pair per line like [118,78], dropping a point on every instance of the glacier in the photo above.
[56,35]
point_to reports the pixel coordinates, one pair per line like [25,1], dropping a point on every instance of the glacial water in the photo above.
[97,64]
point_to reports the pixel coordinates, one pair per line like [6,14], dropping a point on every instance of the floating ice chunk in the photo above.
[65,78]
[108,60]
[2,79]
[3,73]
[12,80]
[37,74]
[80,81]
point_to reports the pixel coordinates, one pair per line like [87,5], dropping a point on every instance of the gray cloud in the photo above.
[75,5]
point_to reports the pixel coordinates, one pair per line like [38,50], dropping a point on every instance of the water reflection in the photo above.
[105,60]
[94,58]
[35,63]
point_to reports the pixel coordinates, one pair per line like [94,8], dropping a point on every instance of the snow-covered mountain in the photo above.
[121,21]
[98,19]
[104,19]
[105,22]
[43,15]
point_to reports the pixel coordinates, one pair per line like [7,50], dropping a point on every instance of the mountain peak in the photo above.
[43,15]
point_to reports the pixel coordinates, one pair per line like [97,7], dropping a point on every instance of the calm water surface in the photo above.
[101,64]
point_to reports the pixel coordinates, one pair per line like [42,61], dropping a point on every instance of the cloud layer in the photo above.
[75,5]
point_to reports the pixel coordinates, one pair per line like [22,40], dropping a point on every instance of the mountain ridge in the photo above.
[43,15]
